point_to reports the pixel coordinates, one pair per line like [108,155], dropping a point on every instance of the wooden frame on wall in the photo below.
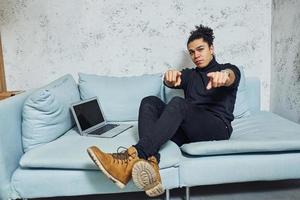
[3,89]
[2,73]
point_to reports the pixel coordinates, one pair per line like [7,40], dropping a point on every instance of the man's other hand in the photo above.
[217,79]
[172,78]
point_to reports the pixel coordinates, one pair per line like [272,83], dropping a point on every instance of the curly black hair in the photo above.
[203,32]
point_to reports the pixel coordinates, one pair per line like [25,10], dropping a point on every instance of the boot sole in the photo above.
[99,164]
[144,177]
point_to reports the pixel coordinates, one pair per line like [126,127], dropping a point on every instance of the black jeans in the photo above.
[179,121]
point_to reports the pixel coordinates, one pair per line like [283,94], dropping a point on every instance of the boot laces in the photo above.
[122,155]
[153,162]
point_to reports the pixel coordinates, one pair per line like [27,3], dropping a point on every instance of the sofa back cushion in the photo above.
[46,112]
[241,108]
[253,94]
[119,97]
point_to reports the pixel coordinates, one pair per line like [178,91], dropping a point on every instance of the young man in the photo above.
[204,114]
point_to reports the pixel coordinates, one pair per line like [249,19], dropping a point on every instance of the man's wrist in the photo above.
[226,71]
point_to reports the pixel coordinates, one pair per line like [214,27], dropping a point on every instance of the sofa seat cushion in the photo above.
[70,151]
[236,168]
[37,183]
[260,132]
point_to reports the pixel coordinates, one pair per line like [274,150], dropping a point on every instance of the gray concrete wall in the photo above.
[285,82]
[46,39]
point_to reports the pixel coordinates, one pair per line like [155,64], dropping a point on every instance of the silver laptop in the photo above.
[90,120]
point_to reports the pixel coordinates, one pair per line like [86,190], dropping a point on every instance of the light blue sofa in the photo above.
[42,155]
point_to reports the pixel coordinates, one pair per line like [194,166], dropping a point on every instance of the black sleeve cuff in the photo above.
[237,74]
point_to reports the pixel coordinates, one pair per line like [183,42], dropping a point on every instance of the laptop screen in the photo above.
[88,114]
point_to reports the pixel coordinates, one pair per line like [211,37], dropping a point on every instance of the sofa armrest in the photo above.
[10,139]
[253,93]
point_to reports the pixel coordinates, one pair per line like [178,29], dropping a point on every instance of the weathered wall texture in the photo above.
[285,83]
[46,39]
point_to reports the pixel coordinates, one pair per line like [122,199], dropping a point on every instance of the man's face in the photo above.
[200,52]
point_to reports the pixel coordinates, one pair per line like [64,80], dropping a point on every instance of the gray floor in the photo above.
[275,190]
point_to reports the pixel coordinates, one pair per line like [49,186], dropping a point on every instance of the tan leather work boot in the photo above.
[145,175]
[116,166]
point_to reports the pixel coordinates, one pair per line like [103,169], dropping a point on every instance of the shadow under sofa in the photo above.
[263,146]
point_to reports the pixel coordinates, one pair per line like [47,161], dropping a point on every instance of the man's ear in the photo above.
[211,49]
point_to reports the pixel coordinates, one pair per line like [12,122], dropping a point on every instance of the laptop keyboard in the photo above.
[103,129]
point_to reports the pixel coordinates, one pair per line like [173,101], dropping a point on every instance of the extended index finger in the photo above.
[211,74]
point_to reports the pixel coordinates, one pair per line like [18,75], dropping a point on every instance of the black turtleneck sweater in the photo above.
[220,100]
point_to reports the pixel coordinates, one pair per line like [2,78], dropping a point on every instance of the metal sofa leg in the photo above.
[187,193]
[167,194]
